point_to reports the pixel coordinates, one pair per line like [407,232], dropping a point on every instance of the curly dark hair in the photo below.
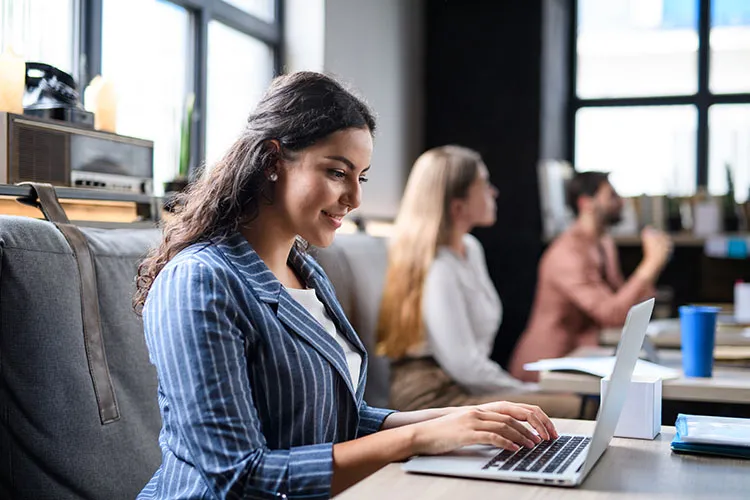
[297,110]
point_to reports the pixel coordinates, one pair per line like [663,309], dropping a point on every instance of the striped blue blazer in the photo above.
[253,391]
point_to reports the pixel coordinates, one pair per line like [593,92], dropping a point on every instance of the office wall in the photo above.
[304,35]
[376,47]
[483,74]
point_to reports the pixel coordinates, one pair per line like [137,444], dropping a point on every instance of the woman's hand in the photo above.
[471,425]
[525,413]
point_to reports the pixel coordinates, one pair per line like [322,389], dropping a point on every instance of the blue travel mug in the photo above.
[698,332]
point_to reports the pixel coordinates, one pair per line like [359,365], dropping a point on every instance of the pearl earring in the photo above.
[273,177]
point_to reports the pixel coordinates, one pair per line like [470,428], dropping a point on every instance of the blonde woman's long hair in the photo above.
[439,176]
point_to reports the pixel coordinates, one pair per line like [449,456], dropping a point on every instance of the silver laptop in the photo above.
[567,460]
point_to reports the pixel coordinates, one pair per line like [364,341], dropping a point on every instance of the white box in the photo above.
[641,414]
[742,302]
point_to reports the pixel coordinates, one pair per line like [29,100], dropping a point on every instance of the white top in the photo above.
[462,313]
[317,310]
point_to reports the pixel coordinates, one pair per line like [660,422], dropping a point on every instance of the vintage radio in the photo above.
[33,149]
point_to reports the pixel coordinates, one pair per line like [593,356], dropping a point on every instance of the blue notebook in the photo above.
[721,436]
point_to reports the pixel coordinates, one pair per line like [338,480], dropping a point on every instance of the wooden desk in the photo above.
[629,469]
[725,335]
[728,384]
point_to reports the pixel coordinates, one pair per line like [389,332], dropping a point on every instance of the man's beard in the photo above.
[612,218]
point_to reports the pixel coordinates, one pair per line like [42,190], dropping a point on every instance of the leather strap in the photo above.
[44,197]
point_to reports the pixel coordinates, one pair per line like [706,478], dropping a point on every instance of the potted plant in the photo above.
[674,218]
[181,181]
[731,219]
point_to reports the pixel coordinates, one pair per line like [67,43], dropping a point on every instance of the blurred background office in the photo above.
[657,92]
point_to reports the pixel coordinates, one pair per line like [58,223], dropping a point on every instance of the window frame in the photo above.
[88,58]
[703,99]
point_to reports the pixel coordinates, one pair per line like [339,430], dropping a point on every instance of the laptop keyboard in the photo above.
[550,457]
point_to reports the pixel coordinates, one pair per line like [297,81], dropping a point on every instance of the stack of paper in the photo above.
[602,367]
[712,435]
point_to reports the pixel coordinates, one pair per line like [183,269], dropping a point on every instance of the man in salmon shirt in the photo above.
[580,287]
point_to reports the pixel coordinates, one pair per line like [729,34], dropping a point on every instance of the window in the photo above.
[640,142]
[158,53]
[240,68]
[661,94]
[620,42]
[729,149]
[150,74]
[730,46]
[40,30]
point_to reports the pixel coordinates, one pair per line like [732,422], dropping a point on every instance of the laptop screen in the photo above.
[633,333]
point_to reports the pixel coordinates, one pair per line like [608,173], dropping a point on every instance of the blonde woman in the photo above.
[440,311]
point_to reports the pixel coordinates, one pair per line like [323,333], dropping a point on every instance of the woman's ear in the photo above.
[272,172]
[275,145]
[457,209]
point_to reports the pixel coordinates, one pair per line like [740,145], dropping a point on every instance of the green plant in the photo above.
[729,197]
[673,206]
[185,136]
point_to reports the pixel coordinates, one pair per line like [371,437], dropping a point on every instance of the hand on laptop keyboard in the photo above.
[471,425]
[525,413]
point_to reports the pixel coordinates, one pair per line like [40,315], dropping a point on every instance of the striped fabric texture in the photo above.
[253,391]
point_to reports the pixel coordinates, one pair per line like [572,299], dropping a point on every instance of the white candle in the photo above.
[12,81]
[101,99]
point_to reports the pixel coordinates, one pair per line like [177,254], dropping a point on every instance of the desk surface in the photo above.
[629,469]
[728,384]
[725,335]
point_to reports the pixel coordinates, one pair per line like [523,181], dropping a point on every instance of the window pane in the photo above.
[629,48]
[239,71]
[730,46]
[729,145]
[40,31]
[649,150]
[263,9]
[149,68]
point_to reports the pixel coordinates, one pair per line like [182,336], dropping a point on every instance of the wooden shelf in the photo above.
[679,239]
[86,205]
[80,210]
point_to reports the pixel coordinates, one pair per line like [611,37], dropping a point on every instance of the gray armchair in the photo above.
[53,442]
[356,265]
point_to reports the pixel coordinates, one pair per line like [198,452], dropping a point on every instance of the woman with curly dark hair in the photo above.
[261,375]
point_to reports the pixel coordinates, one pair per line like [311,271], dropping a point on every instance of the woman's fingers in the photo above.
[525,414]
[539,426]
[485,437]
[536,417]
[506,431]
[508,427]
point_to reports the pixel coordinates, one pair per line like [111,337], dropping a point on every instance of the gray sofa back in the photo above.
[52,441]
[356,265]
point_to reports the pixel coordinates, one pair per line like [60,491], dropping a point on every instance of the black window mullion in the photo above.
[618,102]
[573,101]
[91,41]
[703,100]
[202,18]
[246,23]
[278,53]
[742,98]
[193,5]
